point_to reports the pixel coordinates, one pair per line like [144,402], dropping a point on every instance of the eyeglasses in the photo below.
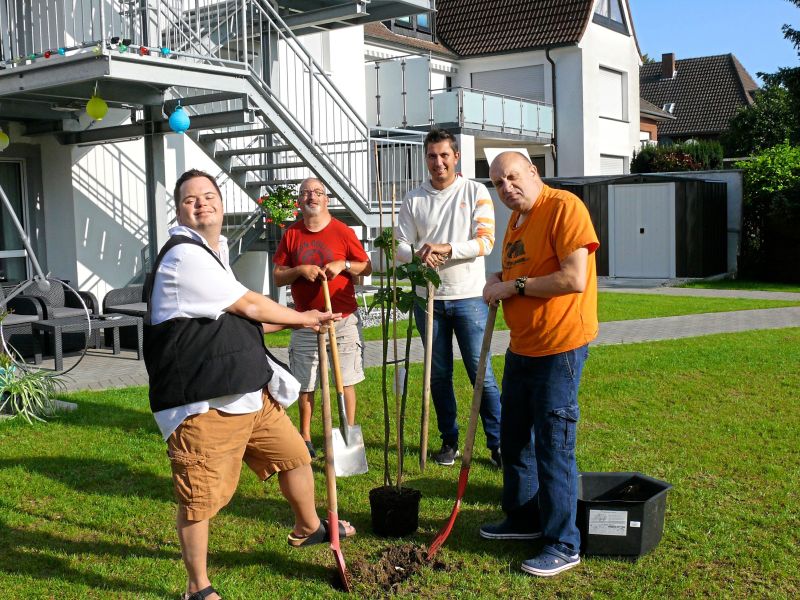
[309,193]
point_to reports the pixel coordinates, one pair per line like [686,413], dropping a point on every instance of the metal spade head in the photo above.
[349,458]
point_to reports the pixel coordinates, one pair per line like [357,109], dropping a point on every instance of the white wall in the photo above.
[602,47]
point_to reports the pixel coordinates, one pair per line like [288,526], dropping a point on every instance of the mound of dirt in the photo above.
[393,566]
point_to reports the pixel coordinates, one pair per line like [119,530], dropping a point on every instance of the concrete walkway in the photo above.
[101,370]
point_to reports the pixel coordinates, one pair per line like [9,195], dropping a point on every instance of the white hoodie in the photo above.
[461,215]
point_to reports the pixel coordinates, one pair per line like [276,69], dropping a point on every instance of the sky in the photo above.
[750,29]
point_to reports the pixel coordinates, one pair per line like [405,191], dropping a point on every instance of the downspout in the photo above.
[555,120]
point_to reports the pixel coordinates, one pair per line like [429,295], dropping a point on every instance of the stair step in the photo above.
[268,167]
[253,150]
[170,105]
[272,182]
[211,137]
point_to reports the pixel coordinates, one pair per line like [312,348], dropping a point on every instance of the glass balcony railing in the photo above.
[475,109]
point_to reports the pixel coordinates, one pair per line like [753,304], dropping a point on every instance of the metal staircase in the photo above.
[266,112]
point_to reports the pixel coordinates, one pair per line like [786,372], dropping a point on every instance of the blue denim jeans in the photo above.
[467,319]
[538,432]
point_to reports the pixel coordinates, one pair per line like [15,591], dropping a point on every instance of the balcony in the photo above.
[407,93]
[486,111]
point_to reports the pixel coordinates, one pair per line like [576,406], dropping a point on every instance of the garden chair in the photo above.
[17,330]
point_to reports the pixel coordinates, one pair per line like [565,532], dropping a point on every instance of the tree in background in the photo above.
[774,116]
[770,239]
[769,121]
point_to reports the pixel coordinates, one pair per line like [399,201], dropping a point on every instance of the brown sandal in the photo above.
[320,536]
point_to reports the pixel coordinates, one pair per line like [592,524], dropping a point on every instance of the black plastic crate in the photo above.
[620,514]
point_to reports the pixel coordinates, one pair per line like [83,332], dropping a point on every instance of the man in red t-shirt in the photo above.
[316,248]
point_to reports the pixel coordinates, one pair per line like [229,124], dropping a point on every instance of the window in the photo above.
[608,13]
[419,26]
[612,96]
[13,256]
[612,165]
[669,107]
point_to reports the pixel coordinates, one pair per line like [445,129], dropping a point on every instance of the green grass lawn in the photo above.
[610,307]
[743,284]
[86,507]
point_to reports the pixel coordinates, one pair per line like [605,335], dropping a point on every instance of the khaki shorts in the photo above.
[304,359]
[207,450]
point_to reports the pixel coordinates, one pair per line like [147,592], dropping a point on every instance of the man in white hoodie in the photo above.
[449,223]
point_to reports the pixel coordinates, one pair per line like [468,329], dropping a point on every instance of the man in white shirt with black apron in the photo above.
[213,391]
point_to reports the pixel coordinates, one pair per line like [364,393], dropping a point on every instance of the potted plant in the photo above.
[394,508]
[25,392]
[279,207]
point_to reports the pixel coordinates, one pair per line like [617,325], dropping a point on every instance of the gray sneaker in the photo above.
[550,562]
[506,530]
[446,456]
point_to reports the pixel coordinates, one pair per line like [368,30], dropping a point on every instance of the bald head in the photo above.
[516,180]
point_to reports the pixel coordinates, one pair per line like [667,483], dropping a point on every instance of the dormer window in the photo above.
[423,22]
[609,13]
[417,26]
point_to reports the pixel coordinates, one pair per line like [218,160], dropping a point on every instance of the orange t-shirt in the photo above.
[557,225]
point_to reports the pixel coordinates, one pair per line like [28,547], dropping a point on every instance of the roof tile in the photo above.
[477,27]
[707,92]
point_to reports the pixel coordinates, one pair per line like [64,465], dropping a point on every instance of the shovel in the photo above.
[348,441]
[469,442]
[330,457]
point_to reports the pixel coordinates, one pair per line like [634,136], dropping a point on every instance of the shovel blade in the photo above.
[349,459]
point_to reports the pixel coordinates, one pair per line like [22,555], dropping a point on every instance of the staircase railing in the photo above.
[247,33]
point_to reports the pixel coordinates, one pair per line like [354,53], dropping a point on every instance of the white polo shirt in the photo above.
[190,283]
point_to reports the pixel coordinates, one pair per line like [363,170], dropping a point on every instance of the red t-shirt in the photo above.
[336,241]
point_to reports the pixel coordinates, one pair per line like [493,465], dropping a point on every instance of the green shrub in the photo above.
[687,156]
[770,239]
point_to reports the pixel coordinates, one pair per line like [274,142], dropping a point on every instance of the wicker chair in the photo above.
[125,301]
[57,303]
[17,329]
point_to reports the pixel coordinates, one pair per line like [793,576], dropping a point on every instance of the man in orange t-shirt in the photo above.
[548,287]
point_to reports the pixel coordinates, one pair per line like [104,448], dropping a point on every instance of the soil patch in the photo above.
[394,565]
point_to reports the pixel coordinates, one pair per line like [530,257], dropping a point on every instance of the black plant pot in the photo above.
[394,514]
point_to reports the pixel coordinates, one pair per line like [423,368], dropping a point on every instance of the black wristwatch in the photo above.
[519,284]
[347,265]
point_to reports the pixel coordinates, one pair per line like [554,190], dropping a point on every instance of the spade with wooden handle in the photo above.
[348,440]
[469,442]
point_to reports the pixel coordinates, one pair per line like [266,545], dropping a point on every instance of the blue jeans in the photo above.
[538,431]
[467,319]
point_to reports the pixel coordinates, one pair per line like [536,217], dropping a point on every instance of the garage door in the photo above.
[642,232]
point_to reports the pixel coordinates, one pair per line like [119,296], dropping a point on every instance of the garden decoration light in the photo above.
[280,205]
[179,120]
